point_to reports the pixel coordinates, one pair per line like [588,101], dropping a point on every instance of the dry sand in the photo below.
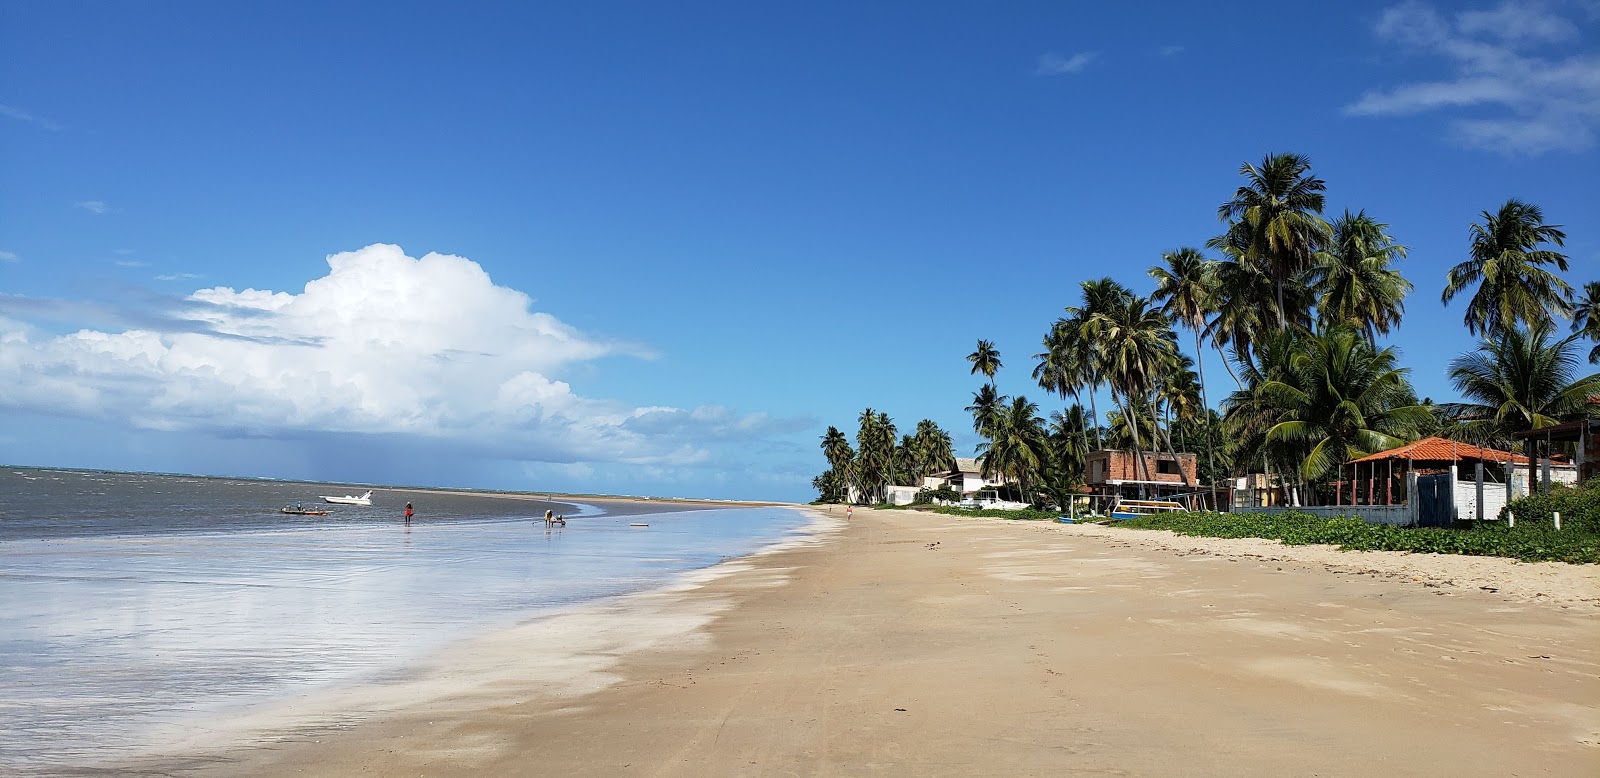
[910,644]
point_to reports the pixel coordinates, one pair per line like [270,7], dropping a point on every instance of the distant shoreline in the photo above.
[452,490]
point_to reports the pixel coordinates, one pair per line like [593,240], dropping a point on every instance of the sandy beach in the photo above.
[915,644]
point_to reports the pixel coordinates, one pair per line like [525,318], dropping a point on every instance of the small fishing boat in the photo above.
[1133,509]
[303,512]
[638,524]
[365,499]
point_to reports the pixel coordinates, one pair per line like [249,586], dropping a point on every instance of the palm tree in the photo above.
[1060,367]
[1020,447]
[1586,318]
[1187,289]
[1275,216]
[1353,281]
[985,360]
[931,449]
[1341,400]
[1136,345]
[841,458]
[1247,302]
[1507,264]
[875,460]
[985,410]
[1099,296]
[1519,380]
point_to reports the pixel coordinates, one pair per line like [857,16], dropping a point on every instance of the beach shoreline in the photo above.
[940,645]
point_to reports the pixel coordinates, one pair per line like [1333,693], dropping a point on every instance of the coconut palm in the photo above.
[1340,400]
[1519,379]
[875,458]
[841,458]
[1508,266]
[1586,318]
[1187,289]
[985,360]
[931,449]
[1020,447]
[1247,302]
[1275,217]
[985,410]
[1059,367]
[1136,345]
[1098,296]
[1353,281]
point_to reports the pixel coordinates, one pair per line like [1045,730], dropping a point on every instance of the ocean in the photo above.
[136,604]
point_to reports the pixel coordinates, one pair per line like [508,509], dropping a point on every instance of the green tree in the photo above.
[985,409]
[1275,216]
[841,458]
[1342,399]
[1020,447]
[1586,318]
[1059,367]
[1098,296]
[985,360]
[931,450]
[1136,346]
[875,441]
[1506,262]
[1520,379]
[1187,290]
[1354,284]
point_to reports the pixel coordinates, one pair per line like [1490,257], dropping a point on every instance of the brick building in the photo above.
[1111,472]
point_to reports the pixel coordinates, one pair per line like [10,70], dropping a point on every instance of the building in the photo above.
[965,478]
[1581,437]
[1118,473]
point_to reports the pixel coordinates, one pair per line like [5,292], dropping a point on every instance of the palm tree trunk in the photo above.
[1205,405]
[1181,474]
[1094,388]
[1133,429]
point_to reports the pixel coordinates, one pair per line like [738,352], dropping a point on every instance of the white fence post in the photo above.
[1558,519]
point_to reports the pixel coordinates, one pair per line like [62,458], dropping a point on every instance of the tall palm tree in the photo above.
[1353,281]
[1059,368]
[1020,447]
[1342,399]
[1247,302]
[841,458]
[1137,345]
[985,410]
[1098,296]
[1519,379]
[1275,214]
[1509,267]
[1586,318]
[985,360]
[875,458]
[1187,289]
[931,449]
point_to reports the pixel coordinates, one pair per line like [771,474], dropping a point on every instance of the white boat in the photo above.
[990,500]
[365,499]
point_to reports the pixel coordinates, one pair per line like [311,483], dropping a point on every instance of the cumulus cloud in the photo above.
[1526,96]
[95,207]
[1053,64]
[383,344]
[8,256]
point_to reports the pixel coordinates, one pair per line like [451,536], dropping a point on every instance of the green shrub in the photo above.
[1529,543]
[944,493]
[1580,508]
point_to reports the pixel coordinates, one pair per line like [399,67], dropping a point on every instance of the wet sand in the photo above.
[931,645]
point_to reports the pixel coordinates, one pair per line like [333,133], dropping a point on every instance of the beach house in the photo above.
[965,478]
[1120,473]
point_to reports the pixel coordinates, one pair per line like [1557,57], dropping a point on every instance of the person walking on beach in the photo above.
[408,511]
[849,509]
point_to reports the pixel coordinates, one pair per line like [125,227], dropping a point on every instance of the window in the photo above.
[1166,467]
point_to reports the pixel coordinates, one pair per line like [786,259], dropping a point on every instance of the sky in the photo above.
[657,248]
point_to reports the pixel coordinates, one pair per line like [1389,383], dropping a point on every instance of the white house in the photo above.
[965,478]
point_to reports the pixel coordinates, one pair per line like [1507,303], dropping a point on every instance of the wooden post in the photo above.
[1388,484]
[1372,482]
[1511,475]
[1480,489]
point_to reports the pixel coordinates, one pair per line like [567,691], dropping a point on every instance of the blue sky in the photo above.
[670,243]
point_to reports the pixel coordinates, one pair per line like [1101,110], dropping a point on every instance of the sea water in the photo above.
[132,603]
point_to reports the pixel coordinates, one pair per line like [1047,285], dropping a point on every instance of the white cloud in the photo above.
[1171,51]
[129,263]
[92,206]
[7,256]
[383,344]
[20,115]
[175,276]
[1526,97]
[1053,64]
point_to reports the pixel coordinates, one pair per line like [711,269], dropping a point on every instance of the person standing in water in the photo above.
[408,511]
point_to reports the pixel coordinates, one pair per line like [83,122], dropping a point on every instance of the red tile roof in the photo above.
[1441,450]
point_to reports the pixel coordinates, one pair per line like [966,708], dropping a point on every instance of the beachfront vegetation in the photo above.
[1295,306]
[1527,542]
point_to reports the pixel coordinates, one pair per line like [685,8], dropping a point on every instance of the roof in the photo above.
[968,465]
[1435,449]
[1566,431]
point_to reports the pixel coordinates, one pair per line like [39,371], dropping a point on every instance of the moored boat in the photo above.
[303,512]
[365,499]
[1133,509]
